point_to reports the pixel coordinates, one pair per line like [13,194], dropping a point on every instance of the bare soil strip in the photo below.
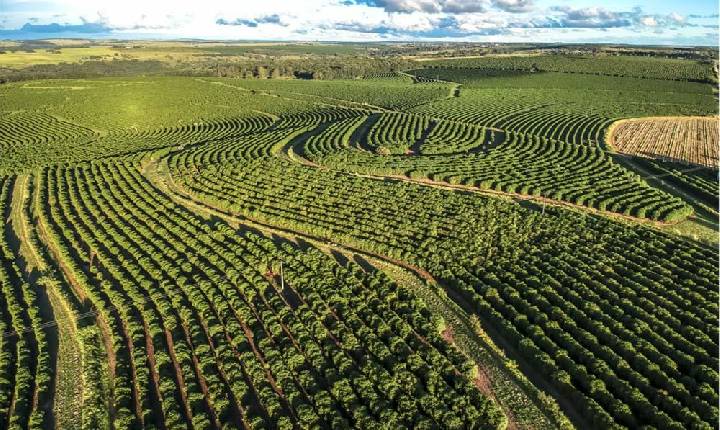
[31,264]
[77,290]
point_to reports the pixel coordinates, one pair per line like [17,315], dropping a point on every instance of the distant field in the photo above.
[564,106]
[687,140]
[19,58]
[12,55]
[627,66]
[47,56]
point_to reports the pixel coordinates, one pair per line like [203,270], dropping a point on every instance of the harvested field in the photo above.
[692,140]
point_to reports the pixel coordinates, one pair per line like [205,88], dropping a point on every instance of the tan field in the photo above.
[71,54]
[692,140]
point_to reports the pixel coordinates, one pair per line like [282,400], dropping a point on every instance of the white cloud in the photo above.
[676,18]
[514,5]
[430,6]
[490,20]
[648,21]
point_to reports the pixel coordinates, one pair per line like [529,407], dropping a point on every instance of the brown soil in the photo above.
[179,375]
[448,335]
[683,139]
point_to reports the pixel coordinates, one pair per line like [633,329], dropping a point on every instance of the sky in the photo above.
[655,22]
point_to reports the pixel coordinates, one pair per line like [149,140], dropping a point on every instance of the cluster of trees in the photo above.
[85,69]
[591,303]
[309,67]
[363,352]
[625,66]
[316,66]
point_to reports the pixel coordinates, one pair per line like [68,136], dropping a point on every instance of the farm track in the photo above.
[457,309]
[474,343]
[16,233]
[54,251]
[64,348]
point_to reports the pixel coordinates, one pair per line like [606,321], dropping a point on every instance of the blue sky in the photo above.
[690,22]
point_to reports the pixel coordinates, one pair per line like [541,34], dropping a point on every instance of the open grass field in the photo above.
[689,140]
[449,248]
[13,55]
[18,58]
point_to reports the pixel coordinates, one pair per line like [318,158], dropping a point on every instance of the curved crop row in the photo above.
[522,117]
[699,182]
[396,133]
[523,164]
[580,307]
[448,137]
[24,149]
[336,137]
[266,355]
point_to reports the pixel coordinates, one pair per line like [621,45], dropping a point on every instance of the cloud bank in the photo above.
[691,22]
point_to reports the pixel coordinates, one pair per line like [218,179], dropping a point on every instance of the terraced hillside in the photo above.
[222,253]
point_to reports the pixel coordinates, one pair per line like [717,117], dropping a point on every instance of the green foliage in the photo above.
[625,66]
[201,329]
[25,371]
[329,328]
[557,284]
[397,93]
[395,133]
[700,182]
[513,163]
[569,107]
